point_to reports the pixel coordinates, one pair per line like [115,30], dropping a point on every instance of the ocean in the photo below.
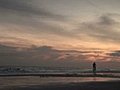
[11,70]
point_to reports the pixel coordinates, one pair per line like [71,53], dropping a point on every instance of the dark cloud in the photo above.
[103,29]
[15,42]
[24,7]
[5,49]
[14,5]
[43,56]
[106,21]
[17,14]
[115,53]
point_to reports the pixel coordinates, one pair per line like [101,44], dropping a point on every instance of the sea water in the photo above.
[6,70]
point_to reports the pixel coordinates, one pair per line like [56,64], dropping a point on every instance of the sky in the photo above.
[64,33]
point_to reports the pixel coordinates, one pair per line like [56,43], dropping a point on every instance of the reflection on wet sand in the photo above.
[35,80]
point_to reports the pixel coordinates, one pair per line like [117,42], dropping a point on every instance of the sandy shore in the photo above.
[58,83]
[111,85]
[62,75]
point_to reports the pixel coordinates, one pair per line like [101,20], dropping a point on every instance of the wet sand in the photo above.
[59,83]
[112,85]
[79,86]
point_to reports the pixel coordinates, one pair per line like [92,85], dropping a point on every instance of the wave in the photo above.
[56,71]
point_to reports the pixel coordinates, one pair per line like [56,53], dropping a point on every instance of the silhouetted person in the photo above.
[94,68]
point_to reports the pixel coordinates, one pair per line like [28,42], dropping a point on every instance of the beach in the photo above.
[58,83]
[75,86]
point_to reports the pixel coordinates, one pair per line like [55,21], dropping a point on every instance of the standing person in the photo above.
[94,68]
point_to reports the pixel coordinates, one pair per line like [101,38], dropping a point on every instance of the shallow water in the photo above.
[36,80]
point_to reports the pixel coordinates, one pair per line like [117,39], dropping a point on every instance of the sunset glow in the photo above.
[59,30]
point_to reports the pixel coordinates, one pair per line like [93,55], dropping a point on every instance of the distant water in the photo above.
[4,70]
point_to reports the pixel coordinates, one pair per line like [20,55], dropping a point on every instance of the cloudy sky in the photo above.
[59,32]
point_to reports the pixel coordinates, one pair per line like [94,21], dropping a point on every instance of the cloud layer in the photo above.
[73,29]
[48,56]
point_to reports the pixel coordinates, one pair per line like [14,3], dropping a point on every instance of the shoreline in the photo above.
[59,83]
[105,85]
[61,75]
